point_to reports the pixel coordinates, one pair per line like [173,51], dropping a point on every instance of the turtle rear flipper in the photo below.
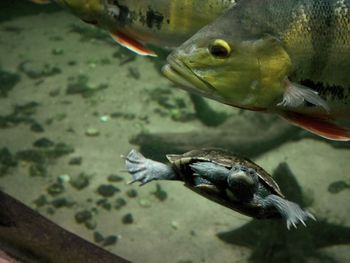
[290,211]
[146,170]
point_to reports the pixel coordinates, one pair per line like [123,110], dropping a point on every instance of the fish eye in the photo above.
[220,48]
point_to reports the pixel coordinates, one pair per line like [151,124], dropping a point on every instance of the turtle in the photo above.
[223,177]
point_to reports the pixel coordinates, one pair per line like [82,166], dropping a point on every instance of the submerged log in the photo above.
[26,236]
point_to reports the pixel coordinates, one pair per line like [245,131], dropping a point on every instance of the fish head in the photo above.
[88,10]
[228,66]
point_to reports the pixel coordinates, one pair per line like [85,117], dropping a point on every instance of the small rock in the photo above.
[8,81]
[338,186]
[57,51]
[55,189]
[115,178]
[63,178]
[27,108]
[75,161]
[72,63]
[83,216]
[50,210]
[31,155]
[128,219]
[134,72]
[90,224]
[62,202]
[92,132]
[98,237]
[110,240]
[104,204]
[36,127]
[55,92]
[40,201]
[61,149]
[33,69]
[107,190]
[43,143]
[144,203]
[80,182]
[7,160]
[104,118]
[131,193]
[120,202]
[174,225]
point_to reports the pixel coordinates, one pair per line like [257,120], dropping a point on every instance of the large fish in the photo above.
[136,23]
[290,57]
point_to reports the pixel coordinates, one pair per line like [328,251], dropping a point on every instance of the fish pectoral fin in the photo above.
[295,95]
[132,44]
[321,127]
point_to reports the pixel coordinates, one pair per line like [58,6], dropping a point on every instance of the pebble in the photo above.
[98,237]
[104,118]
[128,219]
[104,204]
[115,178]
[110,240]
[75,160]
[40,201]
[62,202]
[43,143]
[107,190]
[144,203]
[90,224]
[83,216]
[131,193]
[120,202]
[92,132]
[55,189]
[174,225]
[80,182]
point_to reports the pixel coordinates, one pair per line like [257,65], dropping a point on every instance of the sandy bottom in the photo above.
[183,227]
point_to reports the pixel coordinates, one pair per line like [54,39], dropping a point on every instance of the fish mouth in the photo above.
[182,75]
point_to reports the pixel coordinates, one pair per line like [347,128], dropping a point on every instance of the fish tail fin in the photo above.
[322,127]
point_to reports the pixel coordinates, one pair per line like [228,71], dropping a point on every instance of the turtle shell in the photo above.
[226,159]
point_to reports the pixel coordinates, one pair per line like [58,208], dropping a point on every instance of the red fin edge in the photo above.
[132,44]
[321,127]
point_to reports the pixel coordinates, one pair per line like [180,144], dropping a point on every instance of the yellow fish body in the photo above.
[135,23]
[288,57]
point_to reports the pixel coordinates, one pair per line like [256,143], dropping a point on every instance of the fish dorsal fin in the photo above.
[321,127]
[173,157]
[132,44]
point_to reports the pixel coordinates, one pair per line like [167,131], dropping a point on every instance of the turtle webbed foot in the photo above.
[145,170]
[290,211]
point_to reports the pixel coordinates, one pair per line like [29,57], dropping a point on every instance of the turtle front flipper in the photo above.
[290,211]
[146,170]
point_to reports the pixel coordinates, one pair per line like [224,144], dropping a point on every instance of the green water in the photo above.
[72,102]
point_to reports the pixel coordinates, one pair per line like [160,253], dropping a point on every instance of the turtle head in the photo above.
[243,182]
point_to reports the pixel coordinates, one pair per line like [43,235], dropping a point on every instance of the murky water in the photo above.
[72,101]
